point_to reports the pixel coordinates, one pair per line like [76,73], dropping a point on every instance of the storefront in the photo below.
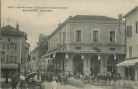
[86,63]
[8,69]
[129,69]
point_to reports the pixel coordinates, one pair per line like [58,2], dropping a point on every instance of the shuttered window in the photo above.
[130,51]
[129,31]
[95,36]
[78,35]
[112,36]
[136,27]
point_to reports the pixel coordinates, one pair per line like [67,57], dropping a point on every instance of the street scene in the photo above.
[87,44]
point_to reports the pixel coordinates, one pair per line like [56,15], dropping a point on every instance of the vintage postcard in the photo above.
[69,44]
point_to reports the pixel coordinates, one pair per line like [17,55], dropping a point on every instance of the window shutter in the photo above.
[136,27]
[129,31]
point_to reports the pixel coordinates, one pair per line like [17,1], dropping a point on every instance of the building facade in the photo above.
[34,59]
[12,51]
[88,44]
[129,66]
[27,56]
[46,65]
[38,52]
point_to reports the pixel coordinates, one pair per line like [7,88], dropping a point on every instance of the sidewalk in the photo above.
[48,84]
[96,87]
[73,87]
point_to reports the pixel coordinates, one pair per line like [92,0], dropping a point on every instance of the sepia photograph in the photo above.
[68,44]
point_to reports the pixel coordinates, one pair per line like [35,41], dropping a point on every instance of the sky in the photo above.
[45,22]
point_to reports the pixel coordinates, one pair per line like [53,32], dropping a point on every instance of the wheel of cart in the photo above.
[32,83]
[35,85]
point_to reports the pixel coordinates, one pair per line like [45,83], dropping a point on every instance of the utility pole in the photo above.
[0,14]
[0,40]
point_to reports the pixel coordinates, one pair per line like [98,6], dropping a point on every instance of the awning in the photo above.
[9,66]
[129,62]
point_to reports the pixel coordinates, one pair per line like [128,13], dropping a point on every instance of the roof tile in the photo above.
[92,17]
[11,31]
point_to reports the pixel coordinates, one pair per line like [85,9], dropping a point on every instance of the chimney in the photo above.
[17,26]
[70,16]
[120,17]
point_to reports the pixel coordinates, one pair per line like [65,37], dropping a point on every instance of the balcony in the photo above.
[92,47]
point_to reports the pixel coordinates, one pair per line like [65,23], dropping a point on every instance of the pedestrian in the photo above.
[6,78]
[22,82]
[44,85]
[54,84]
[62,79]
[14,81]
[119,76]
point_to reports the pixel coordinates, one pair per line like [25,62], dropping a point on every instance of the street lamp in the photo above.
[82,57]
[115,57]
[99,57]
[66,56]
[54,55]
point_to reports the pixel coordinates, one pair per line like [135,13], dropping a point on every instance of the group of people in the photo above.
[59,77]
[18,80]
[92,78]
[21,81]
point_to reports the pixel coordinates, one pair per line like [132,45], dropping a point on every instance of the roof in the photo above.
[84,17]
[134,9]
[128,62]
[11,31]
[35,50]
[92,17]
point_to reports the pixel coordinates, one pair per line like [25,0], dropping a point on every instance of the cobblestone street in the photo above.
[73,87]
[5,86]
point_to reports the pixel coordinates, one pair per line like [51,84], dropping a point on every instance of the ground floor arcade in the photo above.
[87,63]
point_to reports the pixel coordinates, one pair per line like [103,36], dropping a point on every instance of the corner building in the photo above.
[88,44]
[13,50]
[129,67]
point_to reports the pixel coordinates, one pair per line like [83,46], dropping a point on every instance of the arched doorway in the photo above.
[78,64]
[111,65]
[95,65]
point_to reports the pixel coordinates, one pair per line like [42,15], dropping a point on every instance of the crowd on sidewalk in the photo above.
[21,81]
[112,81]
[16,79]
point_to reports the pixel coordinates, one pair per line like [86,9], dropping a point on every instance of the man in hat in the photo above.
[14,81]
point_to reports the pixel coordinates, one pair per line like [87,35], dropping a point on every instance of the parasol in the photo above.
[31,75]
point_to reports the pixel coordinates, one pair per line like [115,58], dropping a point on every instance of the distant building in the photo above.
[46,65]
[42,44]
[129,67]
[39,51]
[13,53]
[88,44]
[27,56]
[34,59]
